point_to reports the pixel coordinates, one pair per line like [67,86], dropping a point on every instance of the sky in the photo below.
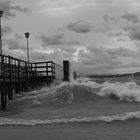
[96,36]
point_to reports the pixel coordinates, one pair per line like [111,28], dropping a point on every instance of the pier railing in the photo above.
[18,75]
[14,68]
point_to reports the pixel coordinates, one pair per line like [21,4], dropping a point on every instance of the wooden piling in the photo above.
[66,67]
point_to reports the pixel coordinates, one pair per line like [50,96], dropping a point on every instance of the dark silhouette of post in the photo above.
[27,36]
[74,74]
[66,70]
[1,13]
[27,64]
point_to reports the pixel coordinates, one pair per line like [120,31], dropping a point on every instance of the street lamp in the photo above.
[27,36]
[1,13]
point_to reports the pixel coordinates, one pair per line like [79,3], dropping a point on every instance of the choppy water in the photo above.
[79,101]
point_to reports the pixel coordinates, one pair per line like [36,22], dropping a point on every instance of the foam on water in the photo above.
[129,91]
[112,118]
[64,93]
[78,92]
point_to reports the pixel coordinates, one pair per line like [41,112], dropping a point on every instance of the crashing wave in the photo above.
[80,92]
[129,91]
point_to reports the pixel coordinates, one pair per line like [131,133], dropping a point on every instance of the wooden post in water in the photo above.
[66,67]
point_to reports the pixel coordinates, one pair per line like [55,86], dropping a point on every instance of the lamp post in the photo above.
[1,13]
[28,65]
[27,36]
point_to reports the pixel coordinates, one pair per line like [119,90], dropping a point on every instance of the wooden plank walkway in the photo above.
[17,75]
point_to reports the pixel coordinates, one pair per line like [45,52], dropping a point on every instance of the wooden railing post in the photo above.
[19,76]
[3,88]
[47,69]
[10,92]
[26,76]
[54,71]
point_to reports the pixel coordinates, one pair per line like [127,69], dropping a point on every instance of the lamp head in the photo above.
[27,35]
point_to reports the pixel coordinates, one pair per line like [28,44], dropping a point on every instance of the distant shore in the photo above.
[137,74]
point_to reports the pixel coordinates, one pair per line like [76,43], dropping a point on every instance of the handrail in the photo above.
[19,68]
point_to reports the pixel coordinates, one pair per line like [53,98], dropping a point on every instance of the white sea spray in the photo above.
[121,117]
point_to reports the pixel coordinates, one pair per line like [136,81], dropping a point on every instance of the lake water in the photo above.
[97,108]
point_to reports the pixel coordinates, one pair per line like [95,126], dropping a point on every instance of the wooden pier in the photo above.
[17,75]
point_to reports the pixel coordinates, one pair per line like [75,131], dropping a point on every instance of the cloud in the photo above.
[108,23]
[117,34]
[107,59]
[79,27]
[14,44]
[120,39]
[108,18]
[10,9]
[17,36]
[120,35]
[130,17]
[52,40]
[57,56]
[57,4]
[135,34]
[133,31]
[6,30]
[59,41]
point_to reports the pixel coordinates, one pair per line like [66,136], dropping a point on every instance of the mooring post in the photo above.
[74,75]
[66,71]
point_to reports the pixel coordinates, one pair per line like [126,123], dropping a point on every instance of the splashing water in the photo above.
[65,93]
[77,101]
[129,91]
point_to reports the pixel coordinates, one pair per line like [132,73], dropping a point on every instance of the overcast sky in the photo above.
[97,36]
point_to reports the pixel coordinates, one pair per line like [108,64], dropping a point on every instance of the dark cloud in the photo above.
[118,34]
[134,34]
[133,31]
[130,17]
[108,18]
[107,58]
[59,41]
[10,9]
[120,39]
[52,40]
[18,36]
[108,24]
[6,30]
[79,27]
[14,44]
